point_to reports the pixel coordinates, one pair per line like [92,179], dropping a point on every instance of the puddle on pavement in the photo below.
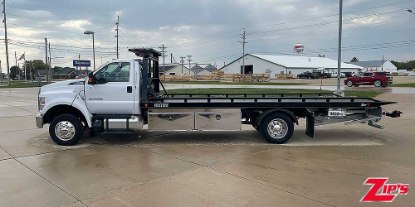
[246,137]
[403,90]
[44,140]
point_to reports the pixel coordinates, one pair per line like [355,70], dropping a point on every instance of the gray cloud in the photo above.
[209,30]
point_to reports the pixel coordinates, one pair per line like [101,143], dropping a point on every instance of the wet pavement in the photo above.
[198,168]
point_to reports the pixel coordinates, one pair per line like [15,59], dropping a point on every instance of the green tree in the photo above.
[33,66]
[14,72]
[405,65]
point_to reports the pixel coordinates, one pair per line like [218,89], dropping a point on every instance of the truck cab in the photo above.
[108,99]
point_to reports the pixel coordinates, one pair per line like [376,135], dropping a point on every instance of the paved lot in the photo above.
[200,169]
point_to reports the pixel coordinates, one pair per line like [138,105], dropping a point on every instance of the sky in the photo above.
[209,30]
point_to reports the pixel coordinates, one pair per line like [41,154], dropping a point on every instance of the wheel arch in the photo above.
[63,109]
[289,113]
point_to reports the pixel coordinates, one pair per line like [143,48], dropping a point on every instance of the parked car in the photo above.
[378,79]
[323,74]
[308,75]
[348,74]
[334,75]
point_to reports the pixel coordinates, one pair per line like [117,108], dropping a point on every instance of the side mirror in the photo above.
[91,78]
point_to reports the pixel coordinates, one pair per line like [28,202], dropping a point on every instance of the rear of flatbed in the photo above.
[274,115]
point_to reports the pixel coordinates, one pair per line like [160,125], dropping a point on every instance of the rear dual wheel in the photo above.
[277,128]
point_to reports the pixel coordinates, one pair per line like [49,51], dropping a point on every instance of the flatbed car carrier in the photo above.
[126,94]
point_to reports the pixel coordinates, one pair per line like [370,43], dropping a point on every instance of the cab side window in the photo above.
[114,72]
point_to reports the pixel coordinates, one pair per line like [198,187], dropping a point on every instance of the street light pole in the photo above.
[93,44]
[339,63]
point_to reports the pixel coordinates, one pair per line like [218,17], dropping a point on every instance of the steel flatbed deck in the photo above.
[307,100]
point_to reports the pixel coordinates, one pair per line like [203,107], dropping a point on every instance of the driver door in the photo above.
[112,91]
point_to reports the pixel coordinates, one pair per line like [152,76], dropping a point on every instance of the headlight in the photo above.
[41,103]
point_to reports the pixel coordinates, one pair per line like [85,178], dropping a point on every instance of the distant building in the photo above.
[64,73]
[284,64]
[174,69]
[210,68]
[199,70]
[377,65]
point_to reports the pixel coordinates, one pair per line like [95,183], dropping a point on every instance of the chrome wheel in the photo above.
[65,130]
[349,83]
[277,128]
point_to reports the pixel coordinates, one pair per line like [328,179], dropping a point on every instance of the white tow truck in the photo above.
[125,95]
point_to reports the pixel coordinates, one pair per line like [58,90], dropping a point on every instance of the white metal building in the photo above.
[377,65]
[284,64]
[198,70]
[174,69]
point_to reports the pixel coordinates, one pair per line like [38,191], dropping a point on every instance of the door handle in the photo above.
[129,89]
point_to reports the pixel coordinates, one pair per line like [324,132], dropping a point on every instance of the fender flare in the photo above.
[266,113]
[79,104]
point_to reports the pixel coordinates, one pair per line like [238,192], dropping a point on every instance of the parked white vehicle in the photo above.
[334,75]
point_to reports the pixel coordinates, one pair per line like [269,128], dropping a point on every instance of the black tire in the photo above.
[72,123]
[285,121]
[349,83]
[377,83]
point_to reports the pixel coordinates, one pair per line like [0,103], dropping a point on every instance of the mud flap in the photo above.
[309,131]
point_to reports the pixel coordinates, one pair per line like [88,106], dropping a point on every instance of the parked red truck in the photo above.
[378,79]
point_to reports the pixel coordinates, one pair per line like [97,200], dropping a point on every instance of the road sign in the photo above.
[82,63]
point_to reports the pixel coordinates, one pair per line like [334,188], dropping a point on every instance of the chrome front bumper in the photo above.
[39,121]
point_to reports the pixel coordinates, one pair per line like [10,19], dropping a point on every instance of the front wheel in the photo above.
[349,83]
[377,83]
[66,130]
[277,128]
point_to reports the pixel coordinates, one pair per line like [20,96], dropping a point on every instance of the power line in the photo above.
[163,53]
[182,63]
[333,15]
[189,60]
[117,24]
[243,43]
[6,41]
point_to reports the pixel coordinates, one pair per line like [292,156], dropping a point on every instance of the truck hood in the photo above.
[76,85]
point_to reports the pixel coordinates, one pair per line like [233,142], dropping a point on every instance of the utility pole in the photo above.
[189,60]
[46,60]
[163,52]
[243,42]
[15,58]
[383,61]
[182,62]
[1,74]
[24,65]
[78,67]
[50,65]
[6,41]
[117,24]
[339,63]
